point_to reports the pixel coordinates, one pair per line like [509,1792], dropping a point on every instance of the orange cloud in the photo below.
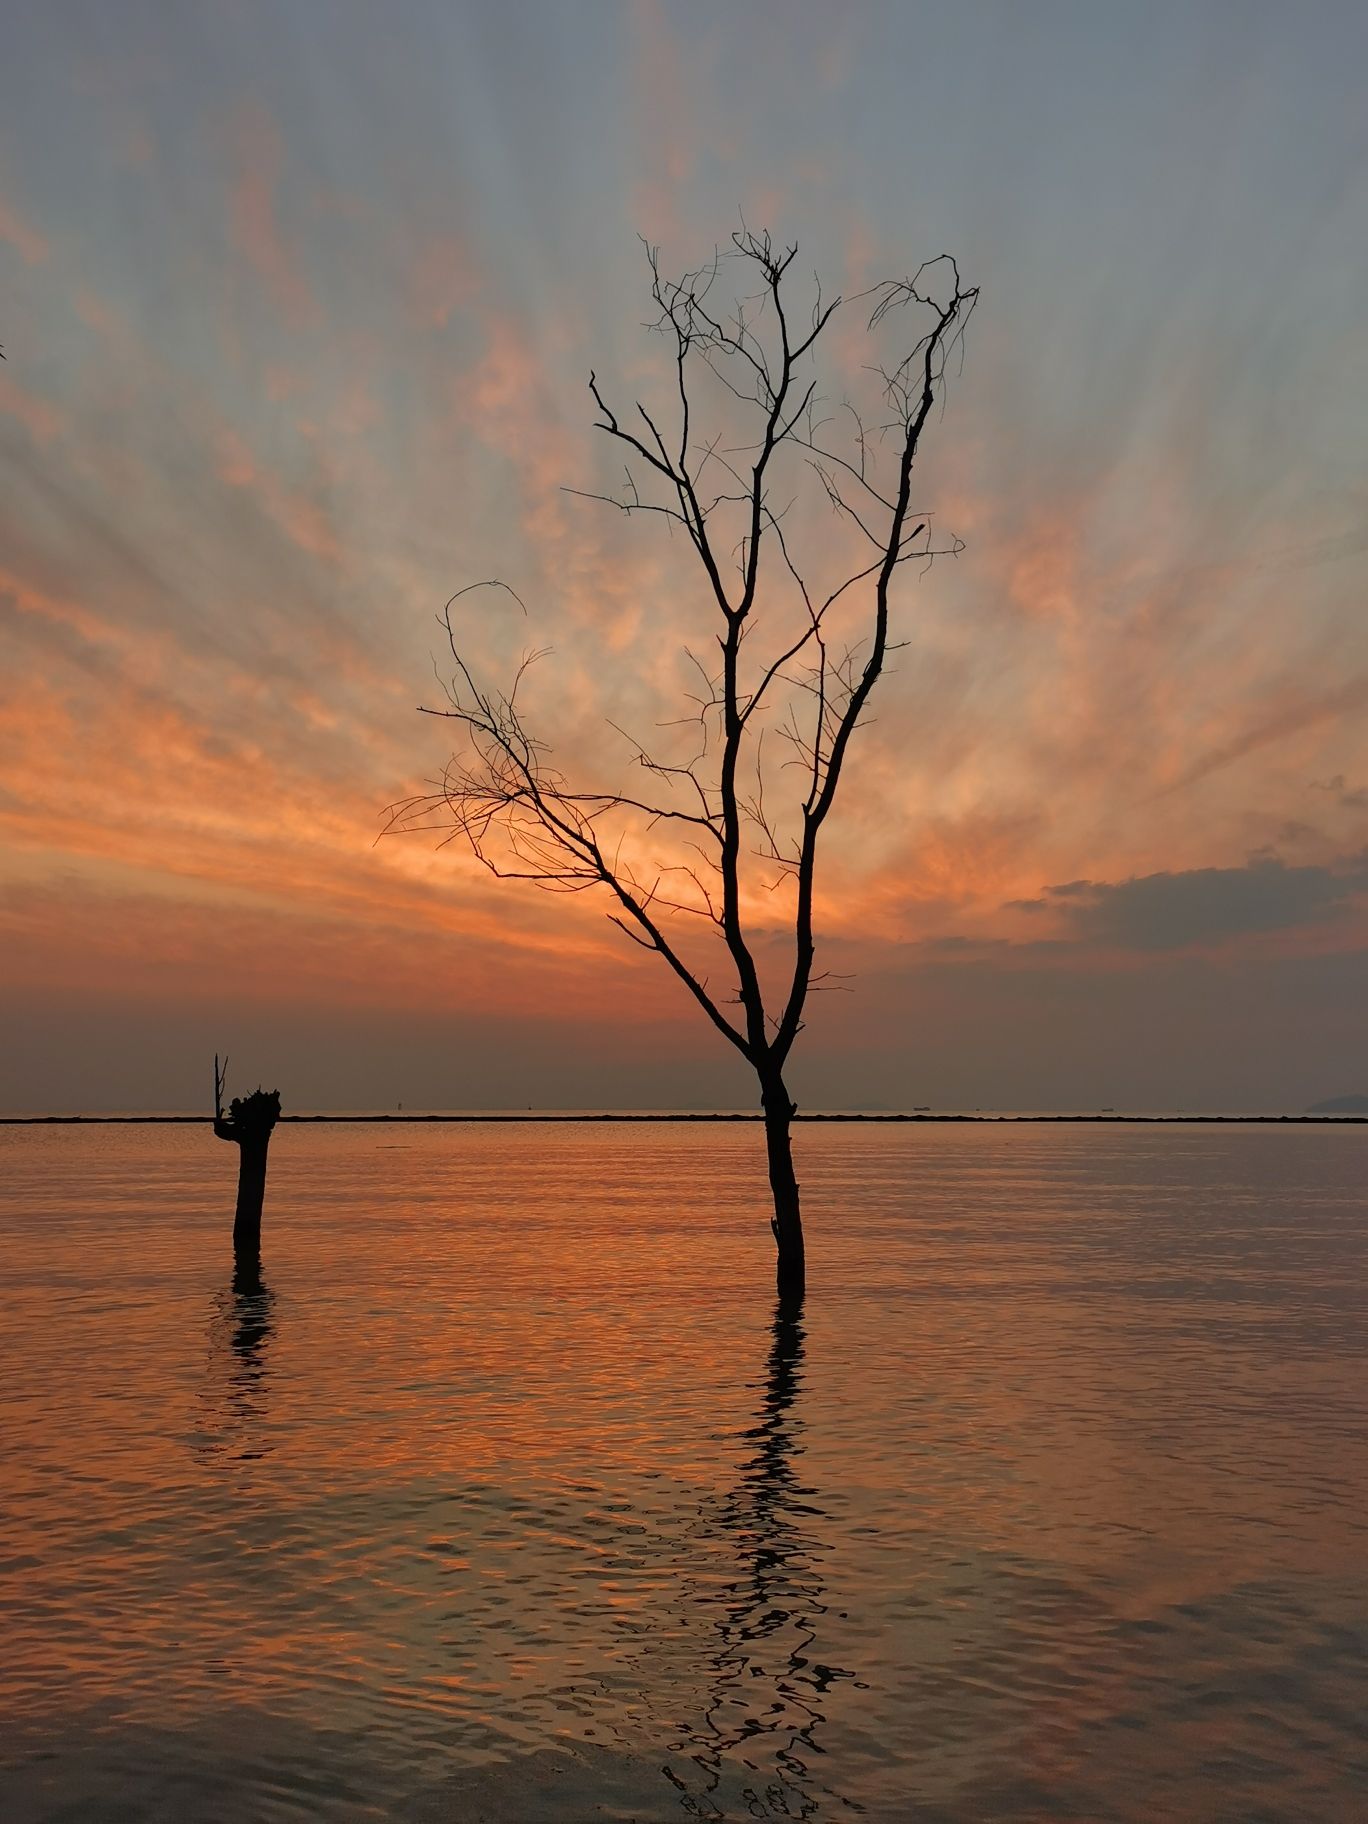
[96,938]
[304,521]
[30,245]
[169,750]
[41,420]
[441,278]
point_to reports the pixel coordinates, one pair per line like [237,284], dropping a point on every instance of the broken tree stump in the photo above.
[249,1124]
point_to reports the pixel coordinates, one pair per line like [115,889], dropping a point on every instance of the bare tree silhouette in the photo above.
[731,835]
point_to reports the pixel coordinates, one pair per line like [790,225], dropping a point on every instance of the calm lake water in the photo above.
[508,1494]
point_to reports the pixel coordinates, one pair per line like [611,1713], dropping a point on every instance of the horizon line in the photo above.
[533,1118]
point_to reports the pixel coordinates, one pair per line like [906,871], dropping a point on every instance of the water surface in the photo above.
[506,1491]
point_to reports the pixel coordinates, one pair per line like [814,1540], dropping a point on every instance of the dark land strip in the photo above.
[531,1119]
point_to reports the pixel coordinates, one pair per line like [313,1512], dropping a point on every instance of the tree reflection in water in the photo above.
[766,1689]
[234,1401]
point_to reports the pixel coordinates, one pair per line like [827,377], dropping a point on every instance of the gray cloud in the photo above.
[1350,797]
[1203,905]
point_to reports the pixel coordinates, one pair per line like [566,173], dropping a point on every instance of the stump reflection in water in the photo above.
[234,1405]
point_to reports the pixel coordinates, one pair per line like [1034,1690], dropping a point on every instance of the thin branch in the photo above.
[715,808]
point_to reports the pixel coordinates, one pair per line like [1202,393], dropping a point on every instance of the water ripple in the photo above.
[504,1491]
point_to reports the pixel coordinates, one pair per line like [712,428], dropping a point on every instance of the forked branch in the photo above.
[686,846]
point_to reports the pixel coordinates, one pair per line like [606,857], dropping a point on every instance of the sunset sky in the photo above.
[298,305]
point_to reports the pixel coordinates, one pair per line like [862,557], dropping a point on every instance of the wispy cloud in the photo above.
[255,231]
[39,417]
[1277,723]
[16,230]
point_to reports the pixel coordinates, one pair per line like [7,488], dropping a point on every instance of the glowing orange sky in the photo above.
[296,338]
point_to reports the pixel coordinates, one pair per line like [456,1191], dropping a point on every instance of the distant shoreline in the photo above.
[535,1120]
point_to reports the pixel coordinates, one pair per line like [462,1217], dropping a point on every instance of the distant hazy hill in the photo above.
[1340,1105]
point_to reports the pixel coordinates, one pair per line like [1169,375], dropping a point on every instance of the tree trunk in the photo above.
[786,1223]
[249,1124]
[251,1193]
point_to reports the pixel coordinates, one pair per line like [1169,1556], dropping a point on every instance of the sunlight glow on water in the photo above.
[508,1493]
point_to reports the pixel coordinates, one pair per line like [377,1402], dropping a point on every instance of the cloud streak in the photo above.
[278,389]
